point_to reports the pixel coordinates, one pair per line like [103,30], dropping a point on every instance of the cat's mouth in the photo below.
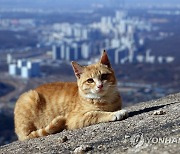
[100,90]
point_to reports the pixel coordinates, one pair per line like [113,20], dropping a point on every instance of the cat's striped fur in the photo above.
[52,107]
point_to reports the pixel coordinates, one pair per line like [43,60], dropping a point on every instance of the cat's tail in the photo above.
[56,125]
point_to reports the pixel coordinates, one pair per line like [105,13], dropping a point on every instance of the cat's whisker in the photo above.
[112,86]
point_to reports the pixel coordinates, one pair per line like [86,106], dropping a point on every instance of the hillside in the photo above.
[5,89]
[152,127]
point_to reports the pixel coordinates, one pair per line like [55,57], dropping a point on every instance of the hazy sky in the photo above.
[76,3]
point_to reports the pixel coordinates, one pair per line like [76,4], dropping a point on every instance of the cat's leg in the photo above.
[120,115]
[56,125]
[79,120]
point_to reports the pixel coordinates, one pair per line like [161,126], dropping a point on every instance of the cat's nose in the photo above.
[100,86]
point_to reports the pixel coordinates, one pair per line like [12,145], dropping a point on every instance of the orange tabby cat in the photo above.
[52,107]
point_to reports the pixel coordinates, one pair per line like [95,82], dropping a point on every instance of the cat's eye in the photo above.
[90,80]
[104,76]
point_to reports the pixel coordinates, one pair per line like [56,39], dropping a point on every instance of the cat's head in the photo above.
[96,80]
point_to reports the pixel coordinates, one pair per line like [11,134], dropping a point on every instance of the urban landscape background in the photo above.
[39,39]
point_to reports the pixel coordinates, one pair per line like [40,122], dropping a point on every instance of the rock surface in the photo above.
[142,132]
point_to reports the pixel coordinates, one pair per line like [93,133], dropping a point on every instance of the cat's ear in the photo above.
[78,69]
[104,59]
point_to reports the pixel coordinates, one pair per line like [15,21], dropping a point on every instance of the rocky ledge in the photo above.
[152,127]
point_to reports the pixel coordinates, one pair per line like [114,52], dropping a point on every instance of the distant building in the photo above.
[21,63]
[160,59]
[85,51]
[169,59]
[25,72]
[121,56]
[75,51]
[9,59]
[84,34]
[115,43]
[34,68]
[13,70]
[140,58]
[25,68]
[149,58]
[63,52]
[107,43]
[77,31]
[58,52]
[118,55]
[70,53]
[120,15]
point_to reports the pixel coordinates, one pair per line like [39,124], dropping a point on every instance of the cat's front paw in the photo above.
[119,115]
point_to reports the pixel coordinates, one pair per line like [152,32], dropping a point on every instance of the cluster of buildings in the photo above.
[118,35]
[24,68]
[16,24]
[149,58]
[121,36]
[70,52]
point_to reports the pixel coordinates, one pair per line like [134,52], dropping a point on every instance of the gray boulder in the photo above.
[152,127]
